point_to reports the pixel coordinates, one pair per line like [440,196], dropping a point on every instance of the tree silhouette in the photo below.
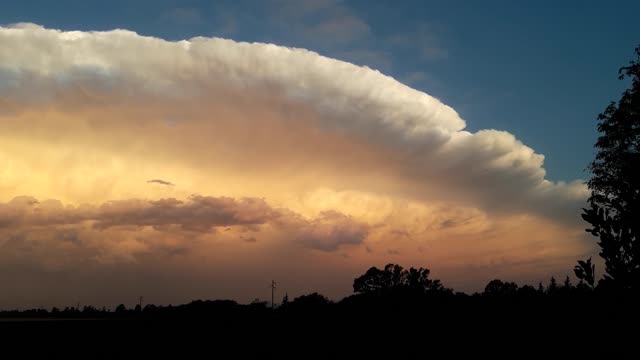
[552,288]
[499,288]
[376,280]
[311,300]
[394,277]
[527,291]
[615,184]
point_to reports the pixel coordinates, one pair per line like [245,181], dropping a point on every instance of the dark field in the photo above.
[392,326]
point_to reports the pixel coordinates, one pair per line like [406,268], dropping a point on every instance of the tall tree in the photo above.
[615,185]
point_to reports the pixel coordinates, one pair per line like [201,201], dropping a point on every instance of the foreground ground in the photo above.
[392,327]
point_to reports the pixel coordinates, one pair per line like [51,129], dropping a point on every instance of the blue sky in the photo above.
[541,70]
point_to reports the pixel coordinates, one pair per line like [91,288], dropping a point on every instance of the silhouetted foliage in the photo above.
[498,288]
[614,210]
[527,291]
[552,288]
[257,303]
[585,271]
[393,278]
[310,301]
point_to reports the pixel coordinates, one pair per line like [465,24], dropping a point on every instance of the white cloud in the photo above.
[426,138]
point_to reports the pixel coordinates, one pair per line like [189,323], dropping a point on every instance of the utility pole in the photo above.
[273,289]
[140,299]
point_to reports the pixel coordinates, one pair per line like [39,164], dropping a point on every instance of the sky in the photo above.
[200,149]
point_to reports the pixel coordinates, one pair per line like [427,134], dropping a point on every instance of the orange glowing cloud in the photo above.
[205,157]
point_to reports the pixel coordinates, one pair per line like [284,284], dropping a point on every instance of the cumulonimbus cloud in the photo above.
[300,151]
[426,138]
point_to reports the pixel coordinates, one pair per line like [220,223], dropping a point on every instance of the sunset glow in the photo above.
[207,167]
